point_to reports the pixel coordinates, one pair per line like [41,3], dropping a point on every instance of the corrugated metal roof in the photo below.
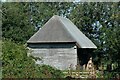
[59,29]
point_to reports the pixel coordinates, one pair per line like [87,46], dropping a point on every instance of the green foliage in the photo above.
[110,74]
[50,72]
[15,60]
[16,22]
[100,23]
[16,64]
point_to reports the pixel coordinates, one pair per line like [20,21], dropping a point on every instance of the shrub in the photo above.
[16,63]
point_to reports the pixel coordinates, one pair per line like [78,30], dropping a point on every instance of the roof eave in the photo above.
[88,47]
[51,42]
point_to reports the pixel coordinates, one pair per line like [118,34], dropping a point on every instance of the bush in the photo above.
[16,64]
[50,72]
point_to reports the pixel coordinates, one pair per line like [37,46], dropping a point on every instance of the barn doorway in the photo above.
[83,56]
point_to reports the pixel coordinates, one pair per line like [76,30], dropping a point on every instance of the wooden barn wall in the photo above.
[56,55]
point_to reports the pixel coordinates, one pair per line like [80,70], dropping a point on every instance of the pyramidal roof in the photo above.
[59,29]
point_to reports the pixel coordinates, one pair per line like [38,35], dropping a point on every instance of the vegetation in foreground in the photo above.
[16,64]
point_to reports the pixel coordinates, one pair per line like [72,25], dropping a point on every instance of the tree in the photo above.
[99,21]
[111,35]
[16,25]
[41,12]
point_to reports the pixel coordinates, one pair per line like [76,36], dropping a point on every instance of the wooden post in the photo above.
[70,70]
[77,71]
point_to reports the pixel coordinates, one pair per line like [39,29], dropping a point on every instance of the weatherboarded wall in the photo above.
[60,56]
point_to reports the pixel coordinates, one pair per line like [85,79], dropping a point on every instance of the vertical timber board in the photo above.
[60,56]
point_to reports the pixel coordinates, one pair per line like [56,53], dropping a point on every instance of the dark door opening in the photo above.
[83,55]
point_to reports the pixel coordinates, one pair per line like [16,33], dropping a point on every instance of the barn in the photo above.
[60,43]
